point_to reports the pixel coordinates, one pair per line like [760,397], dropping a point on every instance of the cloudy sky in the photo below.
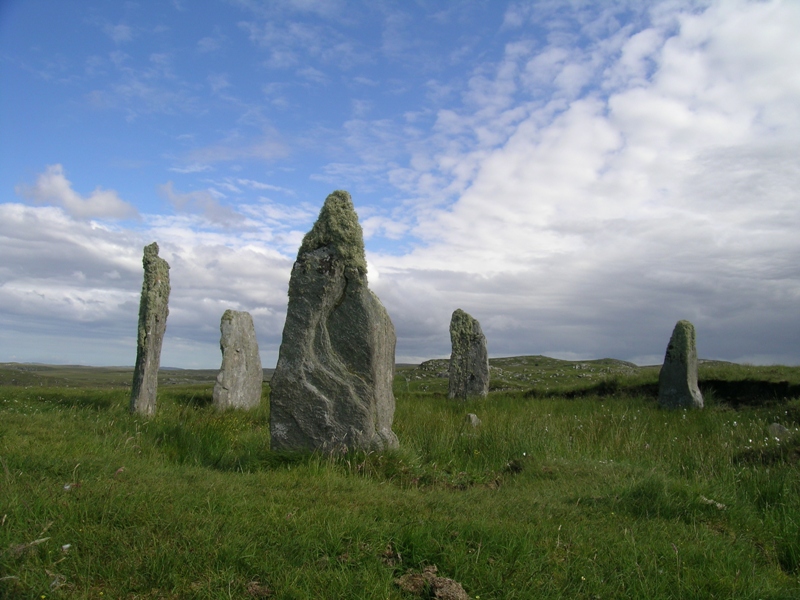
[577,175]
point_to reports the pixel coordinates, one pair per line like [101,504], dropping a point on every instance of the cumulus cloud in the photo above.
[52,187]
[579,193]
[596,221]
[66,279]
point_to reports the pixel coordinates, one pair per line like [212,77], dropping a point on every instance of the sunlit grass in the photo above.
[601,494]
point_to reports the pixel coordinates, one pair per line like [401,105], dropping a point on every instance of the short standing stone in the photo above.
[777,430]
[473,420]
[240,377]
[153,311]
[332,386]
[677,382]
[469,361]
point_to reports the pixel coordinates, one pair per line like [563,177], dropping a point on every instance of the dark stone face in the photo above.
[677,381]
[469,361]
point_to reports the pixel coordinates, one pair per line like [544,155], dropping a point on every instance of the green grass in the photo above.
[576,485]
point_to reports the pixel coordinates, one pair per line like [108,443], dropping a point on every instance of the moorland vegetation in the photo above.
[575,485]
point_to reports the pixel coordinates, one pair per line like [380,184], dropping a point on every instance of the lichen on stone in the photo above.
[337,227]
[677,380]
[683,339]
[469,362]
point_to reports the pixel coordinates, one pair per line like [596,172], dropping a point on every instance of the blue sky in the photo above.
[578,176]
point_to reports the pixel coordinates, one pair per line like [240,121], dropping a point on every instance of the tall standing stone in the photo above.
[332,386]
[469,361]
[153,311]
[677,382]
[240,376]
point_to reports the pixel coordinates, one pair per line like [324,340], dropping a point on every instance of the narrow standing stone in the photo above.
[240,376]
[332,386]
[153,311]
[469,361]
[677,381]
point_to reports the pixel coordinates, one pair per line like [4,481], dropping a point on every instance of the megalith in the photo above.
[153,311]
[332,387]
[469,360]
[677,381]
[240,376]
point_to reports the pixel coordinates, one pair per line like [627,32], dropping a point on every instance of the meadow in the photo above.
[575,485]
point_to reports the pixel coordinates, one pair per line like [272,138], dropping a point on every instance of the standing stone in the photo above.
[332,386]
[677,382]
[469,361]
[473,420]
[240,376]
[153,311]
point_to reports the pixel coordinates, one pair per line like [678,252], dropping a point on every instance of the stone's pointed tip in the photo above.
[337,228]
[342,195]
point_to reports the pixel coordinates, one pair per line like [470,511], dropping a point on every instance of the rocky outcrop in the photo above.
[677,381]
[332,386]
[240,376]
[153,311]
[469,360]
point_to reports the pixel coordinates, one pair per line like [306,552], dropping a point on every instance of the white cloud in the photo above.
[68,279]
[201,202]
[598,180]
[119,33]
[52,187]
[236,146]
[218,82]
[664,192]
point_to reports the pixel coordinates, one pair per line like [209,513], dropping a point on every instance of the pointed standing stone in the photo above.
[153,311]
[240,376]
[332,386]
[677,382]
[469,361]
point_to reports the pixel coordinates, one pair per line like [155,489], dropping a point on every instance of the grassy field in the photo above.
[575,485]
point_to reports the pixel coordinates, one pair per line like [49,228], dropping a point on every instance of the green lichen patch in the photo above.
[337,227]
[683,341]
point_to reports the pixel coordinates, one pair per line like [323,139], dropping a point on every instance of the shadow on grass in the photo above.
[735,393]
[750,392]
[190,396]
[611,386]
[787,451]
[658,497]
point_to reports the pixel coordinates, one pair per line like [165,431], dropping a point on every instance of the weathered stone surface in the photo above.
[240,376]
[469,360]
[677,382]
[332,386]
[153,311]
[473,420]
[777,430]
